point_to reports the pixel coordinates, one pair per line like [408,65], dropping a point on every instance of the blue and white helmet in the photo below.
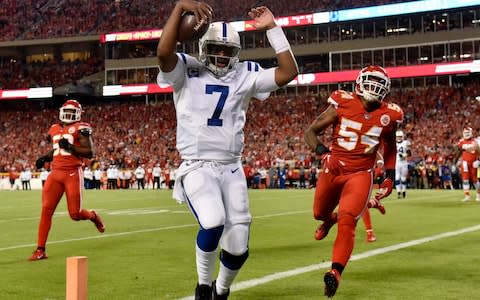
[219,34]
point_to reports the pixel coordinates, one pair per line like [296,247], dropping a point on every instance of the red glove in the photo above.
[385,189]
[332,164]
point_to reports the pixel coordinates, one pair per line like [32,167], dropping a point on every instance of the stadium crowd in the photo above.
[54,73]
[61,18]
[131,134]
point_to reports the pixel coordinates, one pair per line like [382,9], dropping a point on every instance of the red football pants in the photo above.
[58,182]
[351,193]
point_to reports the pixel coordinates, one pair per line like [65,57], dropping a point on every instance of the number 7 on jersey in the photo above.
[223,90]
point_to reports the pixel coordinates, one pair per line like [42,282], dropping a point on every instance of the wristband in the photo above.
[277,39]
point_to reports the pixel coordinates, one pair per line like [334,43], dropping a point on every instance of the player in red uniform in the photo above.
[469,163]
[361,121]
[72,142]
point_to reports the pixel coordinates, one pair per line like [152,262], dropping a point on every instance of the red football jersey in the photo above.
[469,149]
[357,133]
[61,158]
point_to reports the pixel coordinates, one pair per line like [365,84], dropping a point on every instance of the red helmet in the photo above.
[467,133]
[70,111]
[373,83]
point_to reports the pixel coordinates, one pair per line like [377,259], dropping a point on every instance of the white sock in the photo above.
[205,265]
[225,279]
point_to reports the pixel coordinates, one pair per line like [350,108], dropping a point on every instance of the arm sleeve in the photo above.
[176,77]
[265,83]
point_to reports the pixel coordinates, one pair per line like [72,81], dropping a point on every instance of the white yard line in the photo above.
[298,271]
[106,235]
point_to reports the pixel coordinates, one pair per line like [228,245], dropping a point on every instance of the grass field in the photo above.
[147,251]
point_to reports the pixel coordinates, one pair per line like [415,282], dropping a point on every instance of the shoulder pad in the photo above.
[183,57]
[339,96]
[397,111]
[342,95]
[55,126]
[83,124]
[252,66]
[189,60]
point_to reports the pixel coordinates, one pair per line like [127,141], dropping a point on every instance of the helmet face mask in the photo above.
[467,133]
[70,112]
[373,83]
[219,48]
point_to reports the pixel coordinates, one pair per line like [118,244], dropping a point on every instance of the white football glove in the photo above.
[476,164]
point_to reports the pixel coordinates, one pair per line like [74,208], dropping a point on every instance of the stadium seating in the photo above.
[133,132]
[62,18]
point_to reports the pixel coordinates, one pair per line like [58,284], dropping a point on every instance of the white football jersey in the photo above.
[211,111]
[402,149]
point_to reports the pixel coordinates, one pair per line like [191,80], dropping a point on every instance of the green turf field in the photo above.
[147,251]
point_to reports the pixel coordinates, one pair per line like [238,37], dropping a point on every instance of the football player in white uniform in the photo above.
[211,96]
[401,165]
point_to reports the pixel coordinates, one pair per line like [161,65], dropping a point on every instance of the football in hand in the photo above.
[191,30]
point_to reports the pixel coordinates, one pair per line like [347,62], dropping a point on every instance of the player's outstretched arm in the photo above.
[287,68]
[166,46]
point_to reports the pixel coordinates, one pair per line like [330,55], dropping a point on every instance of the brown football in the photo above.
[189,29]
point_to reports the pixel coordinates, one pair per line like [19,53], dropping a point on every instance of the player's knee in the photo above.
[208,239]
[212,221]
[346,218]
[75,216]
[233,261]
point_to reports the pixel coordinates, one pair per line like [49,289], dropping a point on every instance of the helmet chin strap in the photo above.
[215,69]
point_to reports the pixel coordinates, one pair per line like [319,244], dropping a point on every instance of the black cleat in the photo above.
[203,292]
[332,280]
[219,297]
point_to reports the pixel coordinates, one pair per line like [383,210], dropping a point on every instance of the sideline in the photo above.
[298,271]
